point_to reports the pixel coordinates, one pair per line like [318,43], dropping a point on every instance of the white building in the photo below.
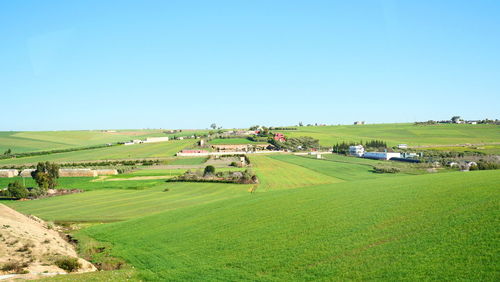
[357,150]
[381,155]
[402,146]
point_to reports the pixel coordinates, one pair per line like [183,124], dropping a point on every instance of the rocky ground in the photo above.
[30,248]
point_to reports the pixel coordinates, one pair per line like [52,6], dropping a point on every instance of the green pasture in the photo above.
[425,227]
[121,200]
[151,150]
[29,141]
[276,174]
[405,133]
[188,161]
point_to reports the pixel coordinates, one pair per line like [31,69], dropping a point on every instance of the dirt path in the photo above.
[33,246]
[107,178]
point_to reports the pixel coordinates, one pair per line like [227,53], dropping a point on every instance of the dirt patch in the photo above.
[105,178]
[32,247]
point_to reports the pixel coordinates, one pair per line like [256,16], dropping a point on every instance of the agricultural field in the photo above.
[307,219]
[32,141]
[404,133]
[137,151]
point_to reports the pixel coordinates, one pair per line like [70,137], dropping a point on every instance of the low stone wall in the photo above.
[8,173]
[26,172]
[106,171]
[180,154]
[77,172]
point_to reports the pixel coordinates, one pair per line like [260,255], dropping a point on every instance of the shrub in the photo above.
[16,190]
[385,169]
[209,169]
[234,164]
[14,266]
[68,263]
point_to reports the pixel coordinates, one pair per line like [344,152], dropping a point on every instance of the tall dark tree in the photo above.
[46,175]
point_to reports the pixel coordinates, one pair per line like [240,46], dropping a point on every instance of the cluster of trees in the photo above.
[209,174]
[45,176]
[94,164]
[29,154]
[343,147]
[377,169]
[485,165]
[301,143]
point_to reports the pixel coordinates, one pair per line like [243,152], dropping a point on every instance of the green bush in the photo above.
[68,263]
[209,169]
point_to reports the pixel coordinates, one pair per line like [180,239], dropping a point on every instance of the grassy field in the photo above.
[29,141]
[431,227]
[308,219]
[152,150]
[394,134]
[275,174]
[188,161]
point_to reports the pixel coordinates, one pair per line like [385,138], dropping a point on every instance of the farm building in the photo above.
[402,146]
[357,150]
[77,172]
[8,173]
[26,172]
[381,155]
[279,137]
[156,139]
[359,122]
[106,171]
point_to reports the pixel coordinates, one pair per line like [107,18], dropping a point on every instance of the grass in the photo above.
[275,174]
[426,227]
[29,141]
[153,150]
[112,204]
[188,161]
[394,134]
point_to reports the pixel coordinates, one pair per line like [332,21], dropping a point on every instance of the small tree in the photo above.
[46,175]
[16,190]
[213,126]
[8,152]
[209,170]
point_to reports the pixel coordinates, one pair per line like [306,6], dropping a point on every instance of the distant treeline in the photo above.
[40,153]
[343,148]
[282,128]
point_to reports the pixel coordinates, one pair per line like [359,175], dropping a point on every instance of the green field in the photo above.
[394,134]
[152,150]
[30,141]
[307,219]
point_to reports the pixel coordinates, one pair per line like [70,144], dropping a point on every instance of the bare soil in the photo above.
[34,245]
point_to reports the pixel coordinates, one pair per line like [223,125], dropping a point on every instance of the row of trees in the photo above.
[45,176]
[343,148]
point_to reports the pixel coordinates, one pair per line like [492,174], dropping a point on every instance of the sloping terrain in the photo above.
[29,245]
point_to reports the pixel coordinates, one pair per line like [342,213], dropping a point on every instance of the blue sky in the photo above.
[186,64]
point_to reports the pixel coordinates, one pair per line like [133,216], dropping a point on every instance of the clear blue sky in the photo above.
[186,64]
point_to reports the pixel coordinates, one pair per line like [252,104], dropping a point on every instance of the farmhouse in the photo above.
[357,150]
[381,155]
[8,173]
[279,137]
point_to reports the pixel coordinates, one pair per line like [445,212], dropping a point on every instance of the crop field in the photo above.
[413,227]
[152,150]
[394,134]
[188,161]
[30,141]
[307,219]
[275,174]
[127,199]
